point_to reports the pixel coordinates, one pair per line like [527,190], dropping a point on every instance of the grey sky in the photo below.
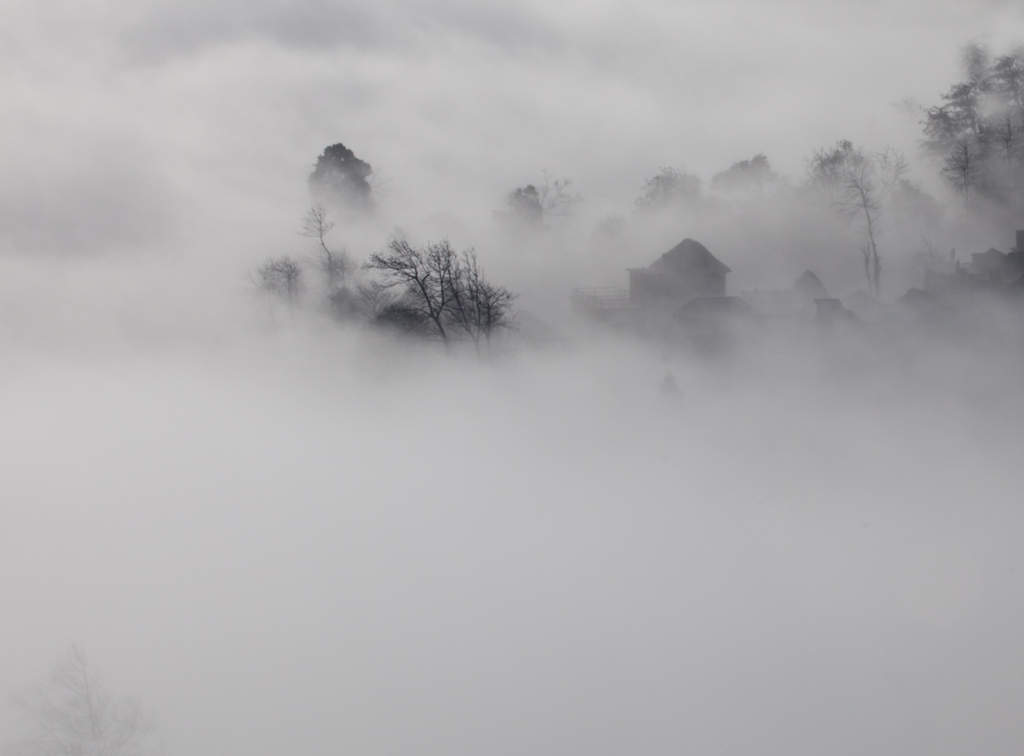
[163,105]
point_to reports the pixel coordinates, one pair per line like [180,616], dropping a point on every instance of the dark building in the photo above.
[993,265]
[996,267]
[685,272]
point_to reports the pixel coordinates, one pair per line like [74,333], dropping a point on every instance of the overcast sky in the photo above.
[129,122]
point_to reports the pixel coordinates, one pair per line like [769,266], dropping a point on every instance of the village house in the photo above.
[990,271]
[685,287]
[685,272]
[997,267]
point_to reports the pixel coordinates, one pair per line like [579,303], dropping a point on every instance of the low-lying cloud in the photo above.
[284,533]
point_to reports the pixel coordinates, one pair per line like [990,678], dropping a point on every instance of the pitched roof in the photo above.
[686,256]
[991,254]
[810,286]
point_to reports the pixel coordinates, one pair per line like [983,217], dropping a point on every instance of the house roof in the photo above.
[810,286]
[989,259]
[687,256]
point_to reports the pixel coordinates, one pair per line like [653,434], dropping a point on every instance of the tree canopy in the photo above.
[533,203]
[341,177]
[745,175]
[668,187]
[977,132]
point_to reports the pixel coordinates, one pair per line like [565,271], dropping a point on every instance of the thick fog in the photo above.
[278,529]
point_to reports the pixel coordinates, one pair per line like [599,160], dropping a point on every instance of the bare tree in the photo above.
[861,197]
[856,182]
[74,715]
[372,298]
[424,275]
[556,196]
[333,263]
[478,307]
[440,288]
[281,276]
[402,315]
[383,305]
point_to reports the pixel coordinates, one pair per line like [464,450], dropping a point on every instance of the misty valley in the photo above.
[335,423]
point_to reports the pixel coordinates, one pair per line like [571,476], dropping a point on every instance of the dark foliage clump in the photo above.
[342,178]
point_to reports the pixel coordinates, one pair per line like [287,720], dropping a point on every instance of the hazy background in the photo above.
[145,123]
[290,536]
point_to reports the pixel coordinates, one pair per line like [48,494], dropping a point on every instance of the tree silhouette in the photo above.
[667,188]
[341,178]
[745,175]
[333,263]
[977,132]
[533,203]
[857,183]
[73,714]
[281,276]
[440,291]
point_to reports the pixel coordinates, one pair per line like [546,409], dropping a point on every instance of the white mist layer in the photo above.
[301,544]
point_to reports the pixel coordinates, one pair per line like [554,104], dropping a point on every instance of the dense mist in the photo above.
[271,485]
